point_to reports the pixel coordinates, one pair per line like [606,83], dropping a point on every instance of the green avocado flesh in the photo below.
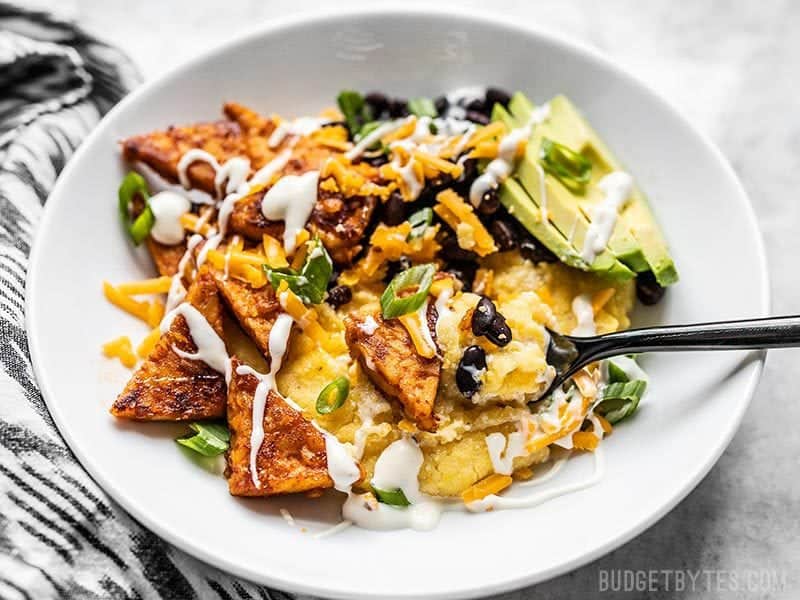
[636,243]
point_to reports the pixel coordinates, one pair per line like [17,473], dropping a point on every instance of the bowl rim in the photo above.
[550,35]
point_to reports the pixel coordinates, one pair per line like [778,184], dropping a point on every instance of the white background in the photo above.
[732,68]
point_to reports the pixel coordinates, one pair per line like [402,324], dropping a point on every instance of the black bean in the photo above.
[504,235]
[477,117]
[394,210]
[339,295]
[379,103]
[648,290]
[441,103]
[472,362]
[468,174]
[490,202]
[452,251]
[398,108]
[497,96]
[464,272]
[483,316]
[536,252]
[499,333]
[476,105]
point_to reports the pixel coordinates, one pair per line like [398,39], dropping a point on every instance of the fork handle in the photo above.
[770,332]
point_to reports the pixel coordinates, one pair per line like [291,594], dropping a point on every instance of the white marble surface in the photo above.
[732,67]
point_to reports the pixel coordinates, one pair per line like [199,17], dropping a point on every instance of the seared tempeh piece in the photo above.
[168,387]
[255,309]
[292,457]
[387,353]
[161,150]
[341,223]
[166,258]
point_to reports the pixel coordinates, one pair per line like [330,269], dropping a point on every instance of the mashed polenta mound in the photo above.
[363,300]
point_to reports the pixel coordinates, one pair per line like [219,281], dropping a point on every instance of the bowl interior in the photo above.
[297,67]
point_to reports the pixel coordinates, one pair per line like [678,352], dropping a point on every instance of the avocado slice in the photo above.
[561,127]
[525,207]
[569,127]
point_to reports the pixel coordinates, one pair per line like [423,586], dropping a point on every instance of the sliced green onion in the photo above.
[420,221]
[422,107]
[571,168]
[620,400]
[616,374]
[368,128]
[333,395]
[311,281]
[394,303]
[391,497]
[210,439]
[134,185]
[355,110]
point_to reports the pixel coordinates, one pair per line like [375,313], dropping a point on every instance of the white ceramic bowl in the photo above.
[295,67]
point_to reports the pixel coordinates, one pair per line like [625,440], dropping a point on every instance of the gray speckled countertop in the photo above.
[733,68]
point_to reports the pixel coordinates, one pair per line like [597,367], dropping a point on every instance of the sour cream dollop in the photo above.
[167,207]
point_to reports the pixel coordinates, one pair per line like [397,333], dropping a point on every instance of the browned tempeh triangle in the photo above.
[255,308]
[388,356]
[292,457]
[168,387]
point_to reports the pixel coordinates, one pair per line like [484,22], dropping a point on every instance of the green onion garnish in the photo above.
[621,399]
[391,497]
[420,221]
[333,395]
[210,439]
[356,112]
[615,373]
[422,107]
[394,301]
[134,185]
[311,281]
[571,168]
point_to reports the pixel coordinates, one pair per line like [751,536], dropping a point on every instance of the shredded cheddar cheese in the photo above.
[149,312]
[492,484]
[413,324]
[157,285]
[472,235]
[122,349]
[148,343]
[601,298]
[273,252]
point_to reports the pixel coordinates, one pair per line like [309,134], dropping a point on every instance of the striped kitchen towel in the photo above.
[60,536]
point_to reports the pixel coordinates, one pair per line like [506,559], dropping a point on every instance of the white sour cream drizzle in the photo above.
[396,468]
[268,171]
[342,469]
[441,304]
[156,183]
[494,502]
[501,167]
[278,340]
[617,187]
[301,126]
[584,313]
[168,207]
[177,293]
[291,200]
[422,316]
[210,347]
[368,325]
[233,174]
[375,136]
[503,451]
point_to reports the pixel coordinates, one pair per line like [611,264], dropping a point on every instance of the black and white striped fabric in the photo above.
[60,536]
